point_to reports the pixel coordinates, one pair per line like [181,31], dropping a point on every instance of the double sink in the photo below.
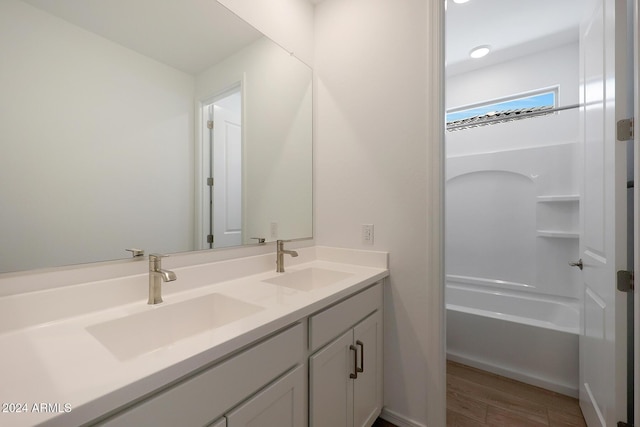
[137,334]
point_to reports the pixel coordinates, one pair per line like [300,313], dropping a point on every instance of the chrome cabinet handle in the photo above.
[354,375]
[361,368]
[577,264]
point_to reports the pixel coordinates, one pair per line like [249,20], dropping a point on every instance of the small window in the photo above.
[531,102]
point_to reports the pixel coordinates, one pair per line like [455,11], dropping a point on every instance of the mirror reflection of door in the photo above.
[224,179]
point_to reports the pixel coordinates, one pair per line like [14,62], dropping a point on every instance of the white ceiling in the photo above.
[511,27]
[190,35]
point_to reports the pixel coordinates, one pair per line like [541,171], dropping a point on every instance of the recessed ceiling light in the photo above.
[479,52]
[460,1]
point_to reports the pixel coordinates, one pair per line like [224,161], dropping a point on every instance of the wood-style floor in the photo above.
[479,398]
[383,423]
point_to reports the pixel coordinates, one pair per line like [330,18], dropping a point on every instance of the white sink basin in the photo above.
[160,326]
[308,279]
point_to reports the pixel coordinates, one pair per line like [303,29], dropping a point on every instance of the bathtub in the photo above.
[518,334]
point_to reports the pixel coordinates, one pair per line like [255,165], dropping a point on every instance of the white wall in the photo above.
[288,22]
[101,126]
[277,179]
[372,159]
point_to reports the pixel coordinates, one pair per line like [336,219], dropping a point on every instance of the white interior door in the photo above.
[603,77]
[227,171]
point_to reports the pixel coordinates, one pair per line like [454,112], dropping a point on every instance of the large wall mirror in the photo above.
[168,125]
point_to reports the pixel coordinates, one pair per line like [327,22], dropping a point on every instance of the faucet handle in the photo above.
[156,257]
[259,239]
[136,252]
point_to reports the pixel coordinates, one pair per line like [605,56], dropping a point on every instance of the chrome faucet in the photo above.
[280,255]
[156,276]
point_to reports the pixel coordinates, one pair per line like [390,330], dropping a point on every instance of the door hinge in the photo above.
[210,182]
[624,281]
[624,129]
[210,124]
[210,238]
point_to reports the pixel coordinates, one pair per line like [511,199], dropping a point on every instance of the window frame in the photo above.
[511,102]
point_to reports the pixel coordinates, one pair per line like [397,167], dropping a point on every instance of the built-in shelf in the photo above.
[558,234]
[559,198]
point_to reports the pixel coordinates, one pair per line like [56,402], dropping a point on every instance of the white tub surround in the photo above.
[55,341]
[512,298]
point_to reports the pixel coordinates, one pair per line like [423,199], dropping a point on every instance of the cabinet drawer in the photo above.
[206,396]
[279,405]
[328,324]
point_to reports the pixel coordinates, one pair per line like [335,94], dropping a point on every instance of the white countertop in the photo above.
[59,363]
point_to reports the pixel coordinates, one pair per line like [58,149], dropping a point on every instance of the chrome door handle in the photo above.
[577,264]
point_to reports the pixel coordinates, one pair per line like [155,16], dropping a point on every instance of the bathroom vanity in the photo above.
[298,348]
[220,343]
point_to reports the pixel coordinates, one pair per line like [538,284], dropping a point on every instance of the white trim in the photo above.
[398,420]
[526,94]
[435,355]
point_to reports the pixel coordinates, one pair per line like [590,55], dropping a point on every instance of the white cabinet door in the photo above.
[367,393]
[278,405]
[345,378]
[331,388]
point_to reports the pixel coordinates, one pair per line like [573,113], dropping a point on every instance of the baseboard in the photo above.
[518,376]
[399,420]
